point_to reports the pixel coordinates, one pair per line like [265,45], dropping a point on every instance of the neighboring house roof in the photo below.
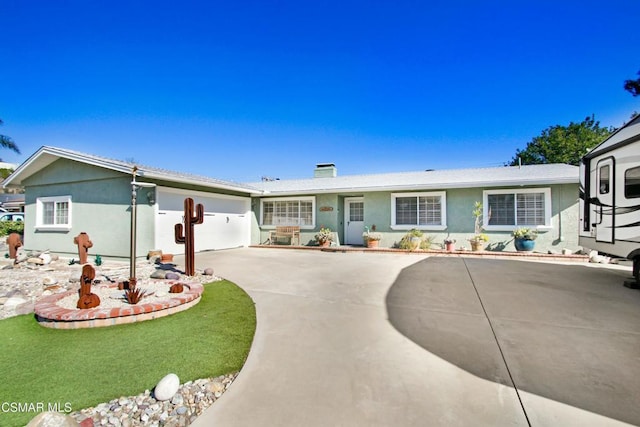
[47,155]
[628,133]
[12,202]
[427,180]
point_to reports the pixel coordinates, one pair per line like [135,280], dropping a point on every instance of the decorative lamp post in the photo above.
[134,213]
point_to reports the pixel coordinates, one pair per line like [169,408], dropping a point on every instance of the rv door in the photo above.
[605,196]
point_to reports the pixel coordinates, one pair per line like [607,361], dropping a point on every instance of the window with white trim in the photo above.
[288,211]
[53,213]
[419,210]
[507,209]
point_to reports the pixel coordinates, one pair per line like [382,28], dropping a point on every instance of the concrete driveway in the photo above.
[363,339]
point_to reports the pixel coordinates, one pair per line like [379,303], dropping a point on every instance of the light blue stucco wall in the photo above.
[100,207]
[563,233]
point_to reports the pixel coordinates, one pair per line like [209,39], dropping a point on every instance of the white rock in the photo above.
[595,257]
[567,252]
[14,301]
[216,387]
[46,258]
[48,281]
[52,419]
[116,295]
[21,256]
[167,387]
[177,399]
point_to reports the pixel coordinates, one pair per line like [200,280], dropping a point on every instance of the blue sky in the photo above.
[239,90]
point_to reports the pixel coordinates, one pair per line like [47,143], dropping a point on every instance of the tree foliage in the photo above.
[6,142]
[8,227]
[633,86]
[562,144]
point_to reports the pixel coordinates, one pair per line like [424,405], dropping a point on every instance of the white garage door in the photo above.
[226,220]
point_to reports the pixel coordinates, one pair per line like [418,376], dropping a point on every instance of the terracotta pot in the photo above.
[325,243]
[373,243]
[450,247]
[166,257]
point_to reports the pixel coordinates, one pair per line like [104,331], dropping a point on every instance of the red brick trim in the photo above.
[51,315]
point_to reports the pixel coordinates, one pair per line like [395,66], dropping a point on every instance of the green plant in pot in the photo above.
[479,238]
[524,239]
[324,236]
[371,237]
[412,240]
[450,244]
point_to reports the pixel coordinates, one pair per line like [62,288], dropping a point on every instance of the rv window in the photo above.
[604,179]
[632,183]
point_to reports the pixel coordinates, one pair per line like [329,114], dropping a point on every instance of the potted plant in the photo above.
[324,236]
[478,241]
[371,237]
[479,238]
[450,244]
[412,240]
[524,239]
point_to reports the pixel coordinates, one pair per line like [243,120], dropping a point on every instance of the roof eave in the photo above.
[221,186]
[415,187]
[15,179]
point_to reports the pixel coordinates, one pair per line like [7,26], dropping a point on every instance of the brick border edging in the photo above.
[435,252]
[50,315]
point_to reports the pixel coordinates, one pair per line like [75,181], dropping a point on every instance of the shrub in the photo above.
[405,242]
[8,227]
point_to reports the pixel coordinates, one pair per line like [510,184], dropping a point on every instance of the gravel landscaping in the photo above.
[22,284]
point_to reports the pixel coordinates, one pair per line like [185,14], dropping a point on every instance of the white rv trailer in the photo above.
[610,196]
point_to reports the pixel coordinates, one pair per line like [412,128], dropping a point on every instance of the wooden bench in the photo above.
[290,231]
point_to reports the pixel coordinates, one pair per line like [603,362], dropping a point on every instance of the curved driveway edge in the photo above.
[325,352]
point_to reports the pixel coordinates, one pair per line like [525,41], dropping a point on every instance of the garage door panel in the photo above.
[168,201]
[165,225]
[226,224]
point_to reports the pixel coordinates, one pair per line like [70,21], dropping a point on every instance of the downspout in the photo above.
[560,235]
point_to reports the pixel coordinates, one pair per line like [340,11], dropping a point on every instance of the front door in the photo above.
[605,209]
[353,220]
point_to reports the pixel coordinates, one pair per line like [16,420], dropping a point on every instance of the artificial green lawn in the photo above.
[89,366]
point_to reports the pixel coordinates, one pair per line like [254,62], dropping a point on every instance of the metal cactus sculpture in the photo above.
[87,298]
[184,235]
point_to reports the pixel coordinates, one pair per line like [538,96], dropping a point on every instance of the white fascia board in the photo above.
[475,184]
[47,155]
[55,154]
[20,170]
[185,180]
